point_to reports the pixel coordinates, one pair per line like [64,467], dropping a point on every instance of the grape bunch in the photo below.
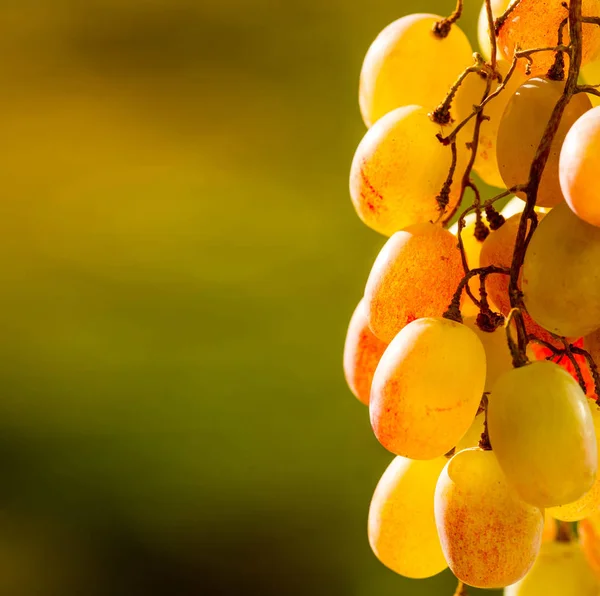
[475,345]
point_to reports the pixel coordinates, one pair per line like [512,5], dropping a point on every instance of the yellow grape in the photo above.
[473,436]
[580,165]
[589,538]
[398,171]
[542,432]
[521,130]
[469,94]
[402,530]
[560,279]
[559,570]
[497,354]
[534,24]
[483,36]
[427,388]
[472,247]
[362,352]
[589,503]
[489,536]
[415,275]
[516,205]
[591,75]
[408,50]
[549,532]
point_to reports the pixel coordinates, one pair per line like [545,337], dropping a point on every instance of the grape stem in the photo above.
[461,589]
[442,28]
[498,24]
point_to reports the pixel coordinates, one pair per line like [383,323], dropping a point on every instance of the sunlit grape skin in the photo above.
[542,432]
[469,94]
[579,167]
[398,171]
[427,388]
[589,538]
[535,23]
[588,504]
[490,537]
[415,275]
[408,50]
[561,279]
[483,36]
[521,130]
[362,352]
[559,570]
[402,531]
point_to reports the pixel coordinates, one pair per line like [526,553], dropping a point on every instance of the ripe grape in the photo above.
[473,435]
[591,75]
[483,36]
[415,275]
[516,205]
[408,50]
[589,503]
[427,388]
[470,94]
[534,24]
[398,171]
[402,530]
[521,129]
[549,532]
[561,280]
[497,354]
[559,570]
[362,352]
[542,432]
[579,167]
[489,536]
[589,538]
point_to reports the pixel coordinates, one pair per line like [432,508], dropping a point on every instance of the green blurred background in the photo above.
[179,261]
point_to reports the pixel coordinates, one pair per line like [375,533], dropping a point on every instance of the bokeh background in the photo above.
[179,259]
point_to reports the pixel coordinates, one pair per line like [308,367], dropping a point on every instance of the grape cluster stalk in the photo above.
[475,344]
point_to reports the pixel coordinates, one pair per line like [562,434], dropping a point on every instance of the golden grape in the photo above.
[591,75]
[542,432]
[362,352]
[589,538]
[415,275]
[483,36]
[469,94]
[427,388]
[408,50]
[473,435]
[580,165]
[489,536]
[402,530]
[398,171]
[521,129]
[549,532]
[560,277]
[535,23]
[559,570]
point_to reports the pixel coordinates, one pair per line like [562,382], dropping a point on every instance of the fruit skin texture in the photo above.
[402,531]
[407,50]
[542,433]
[559,570]
[362,353]
[580,166]
[399,169]
[415,275]
[561,278]
[490,537]
[589,503]
[589,538]
[534,24]
[521,128]
[427,388]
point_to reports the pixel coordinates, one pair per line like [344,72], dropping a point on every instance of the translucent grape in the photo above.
[589,538]
[542,432]
[473,435]
[579,167]
[362,352]
[402,530]
[415,275]
[470,94]
[521,129]
[516,205]
[535,23]
[497,354]
[559,570]
[591,75]
[489,536]
[483,36]
[589,503]
[561,279]
[427,388]
[408,50]
[398,171]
